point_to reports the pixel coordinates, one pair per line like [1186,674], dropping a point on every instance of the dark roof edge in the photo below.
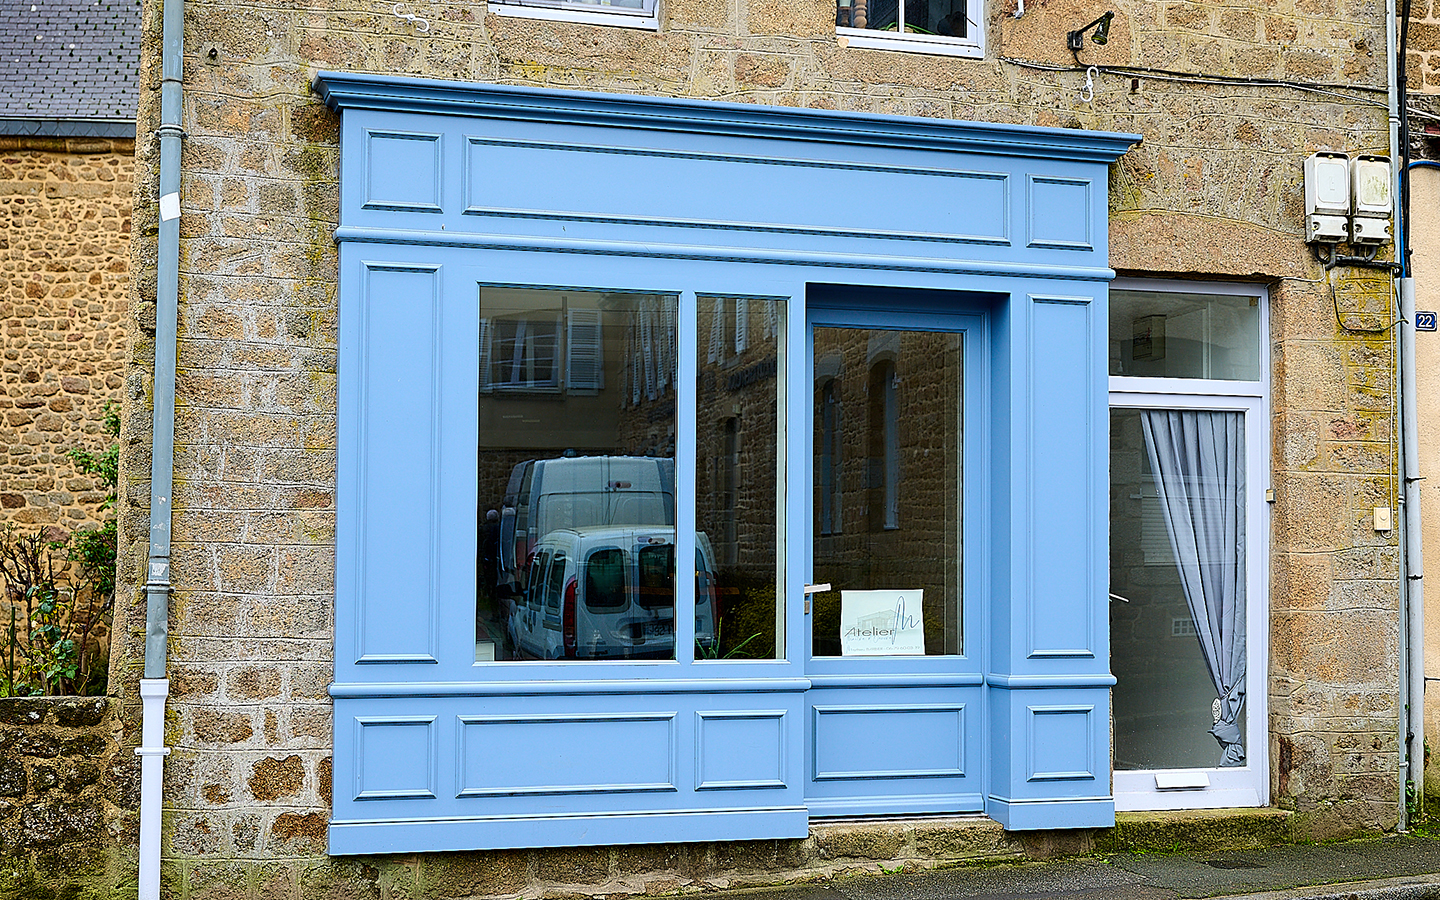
[96,128]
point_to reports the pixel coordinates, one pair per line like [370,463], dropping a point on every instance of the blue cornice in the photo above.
[342,91]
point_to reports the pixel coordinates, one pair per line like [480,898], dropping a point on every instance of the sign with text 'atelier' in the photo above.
[882,623]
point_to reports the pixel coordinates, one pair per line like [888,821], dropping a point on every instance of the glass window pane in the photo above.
[888,449]
[940,17]
[576,475]
[1167,334]
[740,498]
[1165,697]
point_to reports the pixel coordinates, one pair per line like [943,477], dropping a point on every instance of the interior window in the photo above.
[634,13]
[934,26]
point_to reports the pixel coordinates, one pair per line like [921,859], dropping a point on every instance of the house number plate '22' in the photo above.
[1424,320]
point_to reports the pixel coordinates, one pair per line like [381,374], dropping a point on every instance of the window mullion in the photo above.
[685,480]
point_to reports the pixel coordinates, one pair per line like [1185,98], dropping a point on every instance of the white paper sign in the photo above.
[882,623]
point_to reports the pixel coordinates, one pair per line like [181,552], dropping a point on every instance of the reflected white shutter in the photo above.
[669,322]
[484,354]
[647,342]
[634,356]
[584,362]
[717,330]
[742,325]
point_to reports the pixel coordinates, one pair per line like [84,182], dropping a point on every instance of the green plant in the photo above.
[712,651]
[61,588]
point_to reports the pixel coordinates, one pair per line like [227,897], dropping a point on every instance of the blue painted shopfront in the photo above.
[989,240]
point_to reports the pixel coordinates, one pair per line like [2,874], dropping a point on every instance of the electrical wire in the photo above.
[1334,302]
[1324,88]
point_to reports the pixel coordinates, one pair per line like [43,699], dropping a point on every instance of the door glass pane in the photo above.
[576,475]
[1167,334]
[740,511]
[1177,582]
[888,428]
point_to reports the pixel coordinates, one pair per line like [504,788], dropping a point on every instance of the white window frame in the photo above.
[586,12]
[972,46]
[1247,785]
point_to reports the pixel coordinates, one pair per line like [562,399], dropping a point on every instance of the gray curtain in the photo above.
[1198,459]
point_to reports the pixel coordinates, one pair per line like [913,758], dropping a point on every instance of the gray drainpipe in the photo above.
[1412,561]
[154,686]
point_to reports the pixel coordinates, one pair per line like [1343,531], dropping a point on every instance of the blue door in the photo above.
[894,652]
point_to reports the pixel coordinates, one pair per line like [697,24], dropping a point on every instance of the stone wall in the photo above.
[68,800]
[64,264]
[831,850]
[1213,192]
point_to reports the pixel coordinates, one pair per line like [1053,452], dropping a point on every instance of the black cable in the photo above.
[1403,201]
[1171,74]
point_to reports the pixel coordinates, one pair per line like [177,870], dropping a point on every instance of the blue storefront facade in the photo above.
[671,273]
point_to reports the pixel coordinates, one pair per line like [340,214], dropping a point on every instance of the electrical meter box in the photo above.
[1373,200]
[1327,197]
[1370,186]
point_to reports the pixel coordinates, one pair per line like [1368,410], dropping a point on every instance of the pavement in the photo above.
[1395,867]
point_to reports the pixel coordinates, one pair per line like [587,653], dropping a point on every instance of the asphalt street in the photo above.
[1397,867]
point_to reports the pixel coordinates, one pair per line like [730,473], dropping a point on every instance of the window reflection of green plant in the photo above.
[712,650]
[910,29]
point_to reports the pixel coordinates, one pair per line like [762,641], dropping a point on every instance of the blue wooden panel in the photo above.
[889,741]
[400,328]
[817,196]
[1050,753]
[1061,744]
[739,749]
[1061,213]
[577,754]
[395,758]
[580,765]
[1060,590]
[403,171]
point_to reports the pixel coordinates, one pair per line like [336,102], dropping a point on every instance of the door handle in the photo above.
[814,589]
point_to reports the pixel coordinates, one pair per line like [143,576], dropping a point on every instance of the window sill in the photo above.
[908,43]
[582,16]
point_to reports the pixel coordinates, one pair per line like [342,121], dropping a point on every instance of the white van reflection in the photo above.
[577,492]
[608,592]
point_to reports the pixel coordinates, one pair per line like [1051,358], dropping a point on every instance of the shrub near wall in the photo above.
[68,799]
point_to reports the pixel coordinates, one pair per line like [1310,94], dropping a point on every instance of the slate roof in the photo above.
[69,67]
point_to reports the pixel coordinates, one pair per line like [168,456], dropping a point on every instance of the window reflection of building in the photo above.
[887,446]
[738,494]
[883,461]
[727,466]
[831,521]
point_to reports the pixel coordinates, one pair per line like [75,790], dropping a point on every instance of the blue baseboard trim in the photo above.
[929,805]
[1033,815]
[589,830]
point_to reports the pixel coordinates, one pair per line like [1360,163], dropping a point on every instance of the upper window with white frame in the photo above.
[624,13]
[949,27]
